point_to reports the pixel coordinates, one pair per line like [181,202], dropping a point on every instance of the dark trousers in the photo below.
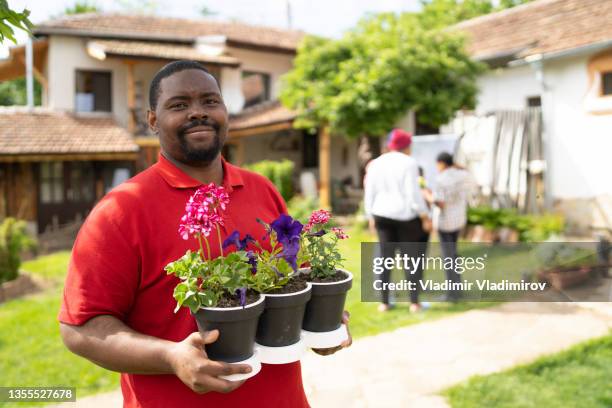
[394,231]
[448,247]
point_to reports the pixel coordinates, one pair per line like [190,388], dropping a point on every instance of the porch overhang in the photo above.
[13,67]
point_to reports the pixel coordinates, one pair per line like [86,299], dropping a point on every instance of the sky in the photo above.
[323,17]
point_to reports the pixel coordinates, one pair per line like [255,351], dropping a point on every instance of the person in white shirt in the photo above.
[395,207]
[450,197]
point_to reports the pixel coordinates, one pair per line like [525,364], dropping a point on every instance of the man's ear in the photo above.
[152,121]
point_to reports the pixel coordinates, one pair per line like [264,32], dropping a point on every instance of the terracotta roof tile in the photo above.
[540,27]
[158,50]
[46,132]
[263,114]
[170,29]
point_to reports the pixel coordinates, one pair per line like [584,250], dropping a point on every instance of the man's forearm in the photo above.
[109,343]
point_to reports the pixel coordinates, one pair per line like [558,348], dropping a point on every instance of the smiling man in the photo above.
[118,305]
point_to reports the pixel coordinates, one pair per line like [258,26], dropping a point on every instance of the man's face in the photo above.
[190,118]
[441,166]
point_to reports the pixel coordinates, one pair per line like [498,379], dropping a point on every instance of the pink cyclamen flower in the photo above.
[340,234]
[203,211]
[318,217]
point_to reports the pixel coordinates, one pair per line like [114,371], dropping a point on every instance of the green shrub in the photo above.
[279,173]
[13,240]
[300,207]
[531,227]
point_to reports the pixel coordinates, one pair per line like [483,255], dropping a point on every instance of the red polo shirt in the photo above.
[117,269]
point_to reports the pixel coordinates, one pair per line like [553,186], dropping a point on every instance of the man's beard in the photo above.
[206,155]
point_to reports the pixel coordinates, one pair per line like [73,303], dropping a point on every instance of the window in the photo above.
[51,182]
[93,91]
[310,150]
[255,88]
[81,187]
[606,83]
[534,101]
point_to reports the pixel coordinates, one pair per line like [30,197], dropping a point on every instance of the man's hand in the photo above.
[191,365]
[347,343]
[426,224]
[372,226]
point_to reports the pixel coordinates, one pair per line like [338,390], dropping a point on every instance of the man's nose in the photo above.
[197,111]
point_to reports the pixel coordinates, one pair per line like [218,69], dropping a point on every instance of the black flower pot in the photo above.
[324,310]
[280,324]
[237,327]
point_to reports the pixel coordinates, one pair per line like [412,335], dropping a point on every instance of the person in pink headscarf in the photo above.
[396,209]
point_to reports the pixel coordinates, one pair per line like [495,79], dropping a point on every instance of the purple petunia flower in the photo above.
[286,228]
[290,251]
[252,261]
[234,239]
[319,233]
[242,293]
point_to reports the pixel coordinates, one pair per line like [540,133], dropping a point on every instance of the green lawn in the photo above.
[31,351]
[580,377]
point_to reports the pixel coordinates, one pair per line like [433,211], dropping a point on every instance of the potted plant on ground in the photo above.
[286,292]
[564,265]
[330,283]
[217,290]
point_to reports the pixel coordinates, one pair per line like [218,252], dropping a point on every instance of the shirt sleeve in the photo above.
[103,273]
[418,201]
[369,191]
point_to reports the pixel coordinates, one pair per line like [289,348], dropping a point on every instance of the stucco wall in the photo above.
[274,64]
[507,89]
[68,54]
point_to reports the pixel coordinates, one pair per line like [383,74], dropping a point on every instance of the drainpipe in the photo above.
[29,77]
[536,63]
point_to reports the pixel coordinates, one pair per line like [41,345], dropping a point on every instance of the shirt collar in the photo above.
[177,178]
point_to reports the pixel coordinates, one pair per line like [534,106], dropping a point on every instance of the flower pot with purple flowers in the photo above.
[322,325]
[217,290]
[279,332]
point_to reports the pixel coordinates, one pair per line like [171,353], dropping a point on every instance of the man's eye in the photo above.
[178,106]
[212,101]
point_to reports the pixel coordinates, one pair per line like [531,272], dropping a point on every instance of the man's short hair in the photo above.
[166,71]
[445,158]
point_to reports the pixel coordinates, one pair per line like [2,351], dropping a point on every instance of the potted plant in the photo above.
[564,265]
[217,290]
[274,270]
[330,283]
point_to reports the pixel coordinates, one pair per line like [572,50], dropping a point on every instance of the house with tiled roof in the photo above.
[90,134]
[556,54]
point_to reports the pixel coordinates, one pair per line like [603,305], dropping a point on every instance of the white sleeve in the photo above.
[418,201]
[369,193]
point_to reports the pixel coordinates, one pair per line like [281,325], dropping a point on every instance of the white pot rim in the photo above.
[261,299]
[349,278]
[308,287]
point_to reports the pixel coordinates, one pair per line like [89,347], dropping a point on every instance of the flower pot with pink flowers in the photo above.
[322,325]
[217,291]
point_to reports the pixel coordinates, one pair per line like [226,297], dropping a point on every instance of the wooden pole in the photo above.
[131,96]
[324,168]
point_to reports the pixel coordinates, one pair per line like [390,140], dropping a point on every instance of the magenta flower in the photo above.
[340,234]
[203,211]
[318,217]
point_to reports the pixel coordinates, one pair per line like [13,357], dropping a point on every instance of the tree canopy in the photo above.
[10,19]
[81,7]
[363,83]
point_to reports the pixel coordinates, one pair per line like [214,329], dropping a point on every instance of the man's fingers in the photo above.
[210,336]
[218,368]
[217,384]
[201,339]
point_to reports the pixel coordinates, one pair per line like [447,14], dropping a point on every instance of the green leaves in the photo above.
[367,80]
[203,283]
[10,19]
